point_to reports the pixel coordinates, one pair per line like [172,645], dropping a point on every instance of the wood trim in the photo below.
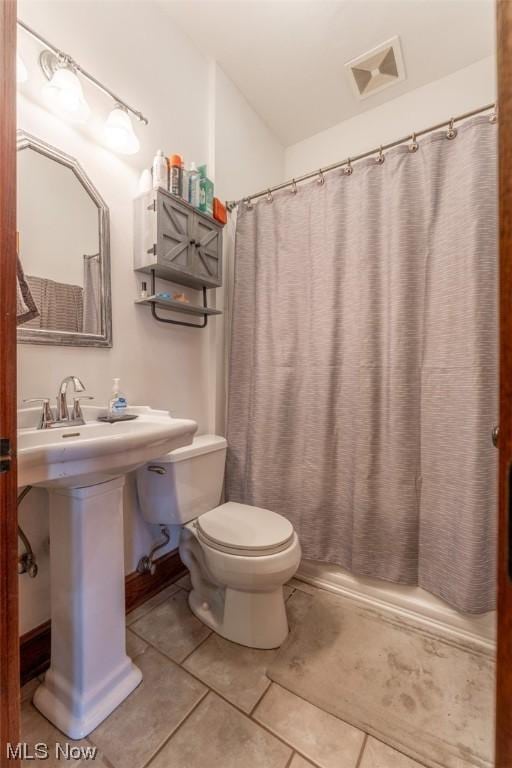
[504,662]
[35,651]
[35,644]
[9,649]
[141,586]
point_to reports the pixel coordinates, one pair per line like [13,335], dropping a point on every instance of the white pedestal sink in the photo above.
[83,468]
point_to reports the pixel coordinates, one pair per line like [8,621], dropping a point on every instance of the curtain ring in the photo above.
[248,204]
[413,146]
[380,159]
[270,199]
[321,179]
[294,187]
[493,117]
[451,132]
[348,171]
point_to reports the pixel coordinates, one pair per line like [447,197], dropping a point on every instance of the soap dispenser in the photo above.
[118,404]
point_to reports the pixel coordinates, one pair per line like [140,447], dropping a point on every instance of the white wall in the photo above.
[460,92]
[136,50]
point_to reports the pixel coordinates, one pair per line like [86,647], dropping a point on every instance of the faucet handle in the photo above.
[46,412]
[77,411]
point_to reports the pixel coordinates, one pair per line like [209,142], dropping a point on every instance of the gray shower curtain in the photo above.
[92,294]
[363,366]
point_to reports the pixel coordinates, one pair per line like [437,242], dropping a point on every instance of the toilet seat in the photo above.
[240,529]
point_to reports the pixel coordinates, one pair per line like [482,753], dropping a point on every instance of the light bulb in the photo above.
[119,133]
[64,92]
[21,70]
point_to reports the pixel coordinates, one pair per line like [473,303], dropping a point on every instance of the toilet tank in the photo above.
[181,485]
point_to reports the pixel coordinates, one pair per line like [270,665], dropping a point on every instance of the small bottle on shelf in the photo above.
[160,171]
[194,191]
[176,175]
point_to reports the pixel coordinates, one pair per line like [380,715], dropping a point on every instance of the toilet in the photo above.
[239,556]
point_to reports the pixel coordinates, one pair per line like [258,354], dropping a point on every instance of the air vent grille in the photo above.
[377,69]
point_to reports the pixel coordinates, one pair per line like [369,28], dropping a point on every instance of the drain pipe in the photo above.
[147,563]
[27,561]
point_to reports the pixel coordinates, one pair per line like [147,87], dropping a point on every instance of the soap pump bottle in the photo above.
[118,404]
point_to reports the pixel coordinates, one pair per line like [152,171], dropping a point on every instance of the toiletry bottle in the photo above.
[160,171]
[118,403]
[193,186]
[144,290]
[176,174]
[206,191]
[184,184]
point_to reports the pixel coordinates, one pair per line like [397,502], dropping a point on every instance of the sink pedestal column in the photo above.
[90,673]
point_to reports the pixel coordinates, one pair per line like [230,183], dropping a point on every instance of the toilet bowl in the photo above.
[239,556]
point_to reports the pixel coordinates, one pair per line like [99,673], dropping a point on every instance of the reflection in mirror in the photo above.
[63,268]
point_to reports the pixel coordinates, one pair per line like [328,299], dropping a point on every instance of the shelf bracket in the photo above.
[177,322]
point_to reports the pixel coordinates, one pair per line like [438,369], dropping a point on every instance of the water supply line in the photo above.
[27,562]
[147,562]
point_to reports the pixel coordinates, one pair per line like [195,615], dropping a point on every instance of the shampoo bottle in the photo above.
[118,403]
[193,186]
[160,171]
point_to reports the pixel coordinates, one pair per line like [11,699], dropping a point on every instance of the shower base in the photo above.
[408,602]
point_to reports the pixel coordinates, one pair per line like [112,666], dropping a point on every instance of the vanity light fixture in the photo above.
[21,70]
[119,133]
[64,91]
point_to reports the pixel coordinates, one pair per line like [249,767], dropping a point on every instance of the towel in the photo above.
[26,308]
[60,305]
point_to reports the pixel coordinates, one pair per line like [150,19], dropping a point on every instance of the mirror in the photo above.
[63,248]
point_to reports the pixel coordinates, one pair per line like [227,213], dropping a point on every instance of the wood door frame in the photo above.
[9,641]
[504,660]
[9,638]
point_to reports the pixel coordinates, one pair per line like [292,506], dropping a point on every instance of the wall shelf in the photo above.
[177,243]
[178,306]
[155,301]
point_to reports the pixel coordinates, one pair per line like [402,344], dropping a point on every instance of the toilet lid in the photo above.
[244,529]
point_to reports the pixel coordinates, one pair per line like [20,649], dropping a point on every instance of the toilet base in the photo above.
[253,619]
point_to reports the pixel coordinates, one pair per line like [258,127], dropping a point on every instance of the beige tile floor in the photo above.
[206,703]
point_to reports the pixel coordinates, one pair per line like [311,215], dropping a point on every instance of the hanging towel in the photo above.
[26,308]
[60,305]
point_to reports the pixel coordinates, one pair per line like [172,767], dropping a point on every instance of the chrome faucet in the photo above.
[62,396]
[62,417]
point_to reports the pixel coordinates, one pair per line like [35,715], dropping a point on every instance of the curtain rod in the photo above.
[69,60]
[451,133]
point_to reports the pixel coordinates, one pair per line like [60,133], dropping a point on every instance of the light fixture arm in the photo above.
[69,61]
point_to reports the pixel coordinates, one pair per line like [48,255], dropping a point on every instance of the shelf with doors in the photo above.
[174,241]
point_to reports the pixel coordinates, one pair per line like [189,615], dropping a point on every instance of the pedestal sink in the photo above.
[83,468]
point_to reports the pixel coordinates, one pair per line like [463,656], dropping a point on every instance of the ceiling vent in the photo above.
[377,69]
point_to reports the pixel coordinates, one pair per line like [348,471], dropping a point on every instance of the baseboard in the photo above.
[139,587]
[35,645]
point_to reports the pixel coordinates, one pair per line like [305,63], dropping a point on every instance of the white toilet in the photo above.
[239,556]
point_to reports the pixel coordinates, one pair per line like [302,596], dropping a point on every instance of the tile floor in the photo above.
[206,703]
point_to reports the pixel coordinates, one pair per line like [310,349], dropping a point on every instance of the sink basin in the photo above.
[97,451]
[83,468]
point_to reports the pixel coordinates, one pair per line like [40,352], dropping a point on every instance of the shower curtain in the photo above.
[363,366]
[92,294]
